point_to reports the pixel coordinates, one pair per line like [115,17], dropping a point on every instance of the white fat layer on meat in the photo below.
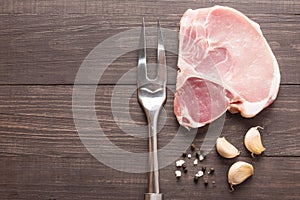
[193,123]
[185,114]
[276,81]
[251,109]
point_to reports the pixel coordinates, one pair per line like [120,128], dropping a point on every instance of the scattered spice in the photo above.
[196,179]
[182,165]
[193,147]
[237,173]
[179,163]
[206,182]
[211,171]
[178,173]
[201,158]
[195,162]
[199,174]
[198,153]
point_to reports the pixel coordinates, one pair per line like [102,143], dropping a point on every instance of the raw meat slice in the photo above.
[224,63]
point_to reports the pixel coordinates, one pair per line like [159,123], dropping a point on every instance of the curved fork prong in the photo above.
[142,64]
[161,58]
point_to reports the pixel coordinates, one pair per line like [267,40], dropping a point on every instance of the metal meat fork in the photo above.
[152,95]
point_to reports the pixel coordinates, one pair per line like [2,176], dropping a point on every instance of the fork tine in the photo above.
[161,58]
[142,65]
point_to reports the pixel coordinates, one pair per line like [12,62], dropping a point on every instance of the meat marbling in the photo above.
[224,63]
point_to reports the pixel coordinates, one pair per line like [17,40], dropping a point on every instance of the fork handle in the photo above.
[153,192]
[153,196]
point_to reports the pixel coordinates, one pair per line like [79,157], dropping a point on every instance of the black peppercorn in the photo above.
[203,168]
[184,154]
[206,182]
[212,170]
[196,179]
[183,166]
[198,153]
[185,170]
[193,147]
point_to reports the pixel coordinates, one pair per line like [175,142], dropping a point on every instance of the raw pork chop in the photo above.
[225,63]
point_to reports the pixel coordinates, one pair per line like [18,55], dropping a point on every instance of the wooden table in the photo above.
[43,44]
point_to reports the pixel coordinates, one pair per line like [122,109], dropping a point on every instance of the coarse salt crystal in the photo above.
[179,163]
[178,173]
[196,162]
[199,174]
[201,157]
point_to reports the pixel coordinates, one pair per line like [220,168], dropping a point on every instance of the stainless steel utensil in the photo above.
[152,95]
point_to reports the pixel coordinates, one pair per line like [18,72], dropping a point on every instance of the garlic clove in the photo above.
[239,172]
[253,141]
[226,149]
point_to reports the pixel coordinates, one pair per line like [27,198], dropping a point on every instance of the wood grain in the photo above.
[42,116]
[42,45]
[130,7]
[49,49]
[40,177]
[42,156]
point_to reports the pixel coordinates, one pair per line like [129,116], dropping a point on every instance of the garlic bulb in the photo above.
[253,141]
[239,172]
[226,149]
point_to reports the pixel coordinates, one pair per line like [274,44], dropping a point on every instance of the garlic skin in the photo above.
[226,149]
[253,141]
[239,172]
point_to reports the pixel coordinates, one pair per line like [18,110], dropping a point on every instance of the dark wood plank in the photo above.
[41,154]
[40,177]
[36,119]
[263,184]
[49,49]
[141,7]
[42,157]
